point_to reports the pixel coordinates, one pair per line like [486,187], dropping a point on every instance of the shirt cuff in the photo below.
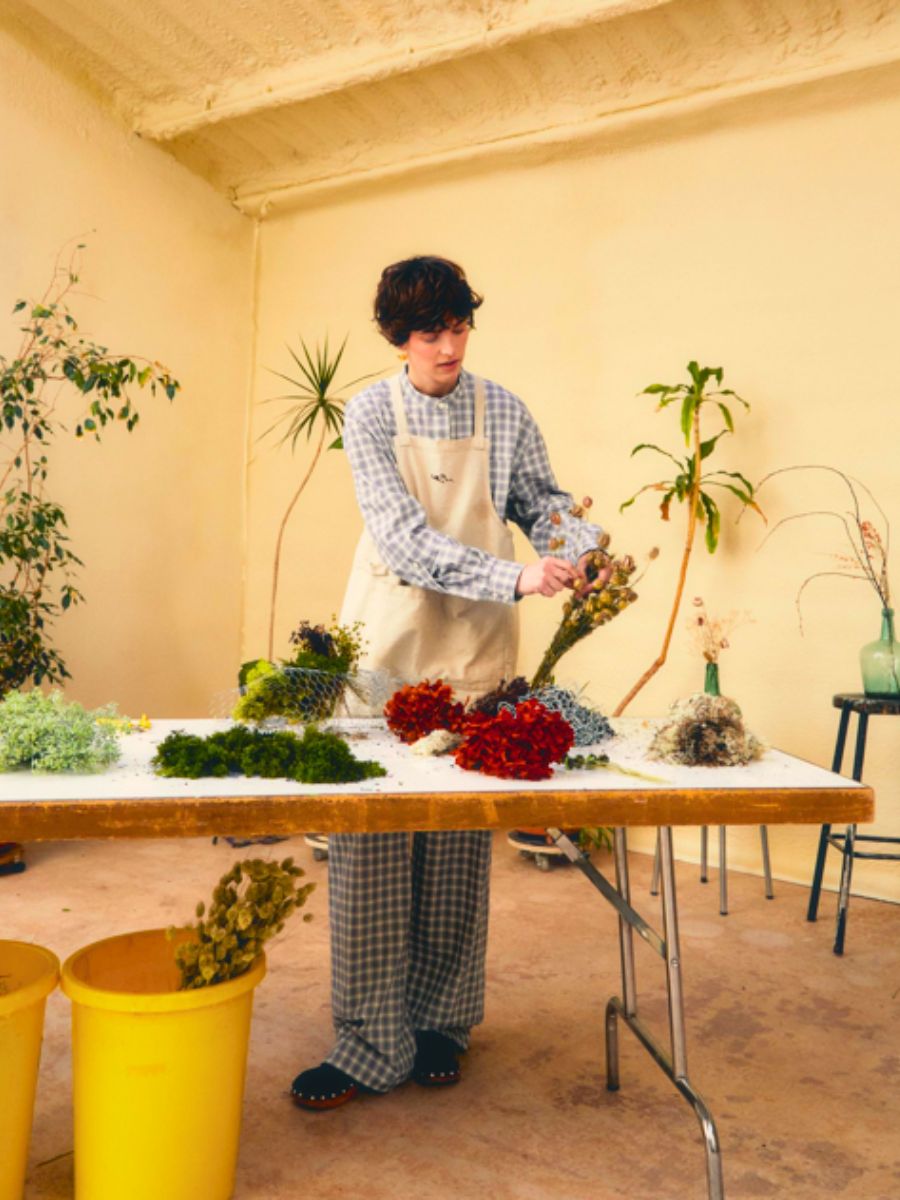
[502,578]
[581,538]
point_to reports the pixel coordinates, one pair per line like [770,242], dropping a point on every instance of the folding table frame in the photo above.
[140,805]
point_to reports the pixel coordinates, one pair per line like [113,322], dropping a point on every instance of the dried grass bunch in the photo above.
[250,905]
[709,633]
[867,547]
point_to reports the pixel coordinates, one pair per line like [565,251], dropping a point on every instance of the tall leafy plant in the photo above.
[316,411]
[690,484]
[53,366]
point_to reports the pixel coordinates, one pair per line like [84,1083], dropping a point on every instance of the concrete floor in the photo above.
[797,1052]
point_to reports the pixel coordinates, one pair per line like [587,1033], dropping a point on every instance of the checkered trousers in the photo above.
[409,920]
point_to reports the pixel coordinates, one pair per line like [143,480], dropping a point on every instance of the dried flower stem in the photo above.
[870,550]
[280,539]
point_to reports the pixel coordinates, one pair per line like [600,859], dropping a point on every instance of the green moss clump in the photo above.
[250,904]
[317,757]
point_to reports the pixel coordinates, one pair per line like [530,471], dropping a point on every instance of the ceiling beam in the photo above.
[262,198]
[335,72]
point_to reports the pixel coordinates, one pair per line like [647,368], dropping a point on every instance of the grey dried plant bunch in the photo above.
[867,548]
[250,904]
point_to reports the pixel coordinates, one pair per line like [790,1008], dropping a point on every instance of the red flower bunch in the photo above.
[515,745]
[420,708]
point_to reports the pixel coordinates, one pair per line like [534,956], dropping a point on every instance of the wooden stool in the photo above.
[864,707]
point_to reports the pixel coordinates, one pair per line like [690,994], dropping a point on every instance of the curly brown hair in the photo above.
[422,294]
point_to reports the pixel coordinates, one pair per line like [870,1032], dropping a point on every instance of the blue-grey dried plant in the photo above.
[316,410]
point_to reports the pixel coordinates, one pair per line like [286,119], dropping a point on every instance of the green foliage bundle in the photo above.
[250,905]
[687,483]
[308,685]
[46,733]
[37,563]
[317,757]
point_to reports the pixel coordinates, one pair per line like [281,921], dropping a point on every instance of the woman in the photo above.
[441,460]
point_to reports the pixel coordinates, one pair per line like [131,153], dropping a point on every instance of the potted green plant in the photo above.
[691,483]
[37,563]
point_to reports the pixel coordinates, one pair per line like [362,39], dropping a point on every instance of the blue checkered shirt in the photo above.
[523,487]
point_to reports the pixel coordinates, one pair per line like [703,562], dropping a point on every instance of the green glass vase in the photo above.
[711,683]
[880,661]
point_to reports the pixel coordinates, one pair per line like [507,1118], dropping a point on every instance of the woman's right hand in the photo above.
[546,577]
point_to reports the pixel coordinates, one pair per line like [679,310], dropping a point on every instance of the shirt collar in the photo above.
[459,392]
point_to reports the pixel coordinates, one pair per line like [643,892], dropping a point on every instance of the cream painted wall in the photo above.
[764,240]
[157,516]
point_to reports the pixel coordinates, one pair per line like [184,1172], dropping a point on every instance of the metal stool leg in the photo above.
[704,854]
[859,754]
[836,762]
[767,865]
[723,874]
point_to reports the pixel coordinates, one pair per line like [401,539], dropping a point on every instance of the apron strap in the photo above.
[399,410]
[478,423]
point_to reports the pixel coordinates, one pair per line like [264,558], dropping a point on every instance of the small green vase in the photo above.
[711,683]
[880,661]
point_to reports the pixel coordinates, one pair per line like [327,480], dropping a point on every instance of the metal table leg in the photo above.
[767,862]
[704,853]
[673,1062]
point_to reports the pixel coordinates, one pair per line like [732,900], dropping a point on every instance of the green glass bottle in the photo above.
[880,661]
[711,683]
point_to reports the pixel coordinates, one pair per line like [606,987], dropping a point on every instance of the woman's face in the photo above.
[435,359]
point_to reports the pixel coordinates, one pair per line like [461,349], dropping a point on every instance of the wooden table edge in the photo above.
[378,812]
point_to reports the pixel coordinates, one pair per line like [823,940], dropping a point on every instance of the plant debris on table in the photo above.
[317,757]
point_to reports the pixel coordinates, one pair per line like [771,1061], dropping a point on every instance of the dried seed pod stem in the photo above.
[250,905]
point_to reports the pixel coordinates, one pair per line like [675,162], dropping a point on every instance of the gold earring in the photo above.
[402,355]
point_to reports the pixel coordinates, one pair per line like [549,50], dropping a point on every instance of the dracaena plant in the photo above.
[52,367]
[316,410]
[690,484]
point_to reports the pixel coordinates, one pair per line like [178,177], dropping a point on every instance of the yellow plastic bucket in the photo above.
[27,976]
[158,1074]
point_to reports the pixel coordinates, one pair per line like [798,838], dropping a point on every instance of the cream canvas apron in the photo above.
[417,633]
